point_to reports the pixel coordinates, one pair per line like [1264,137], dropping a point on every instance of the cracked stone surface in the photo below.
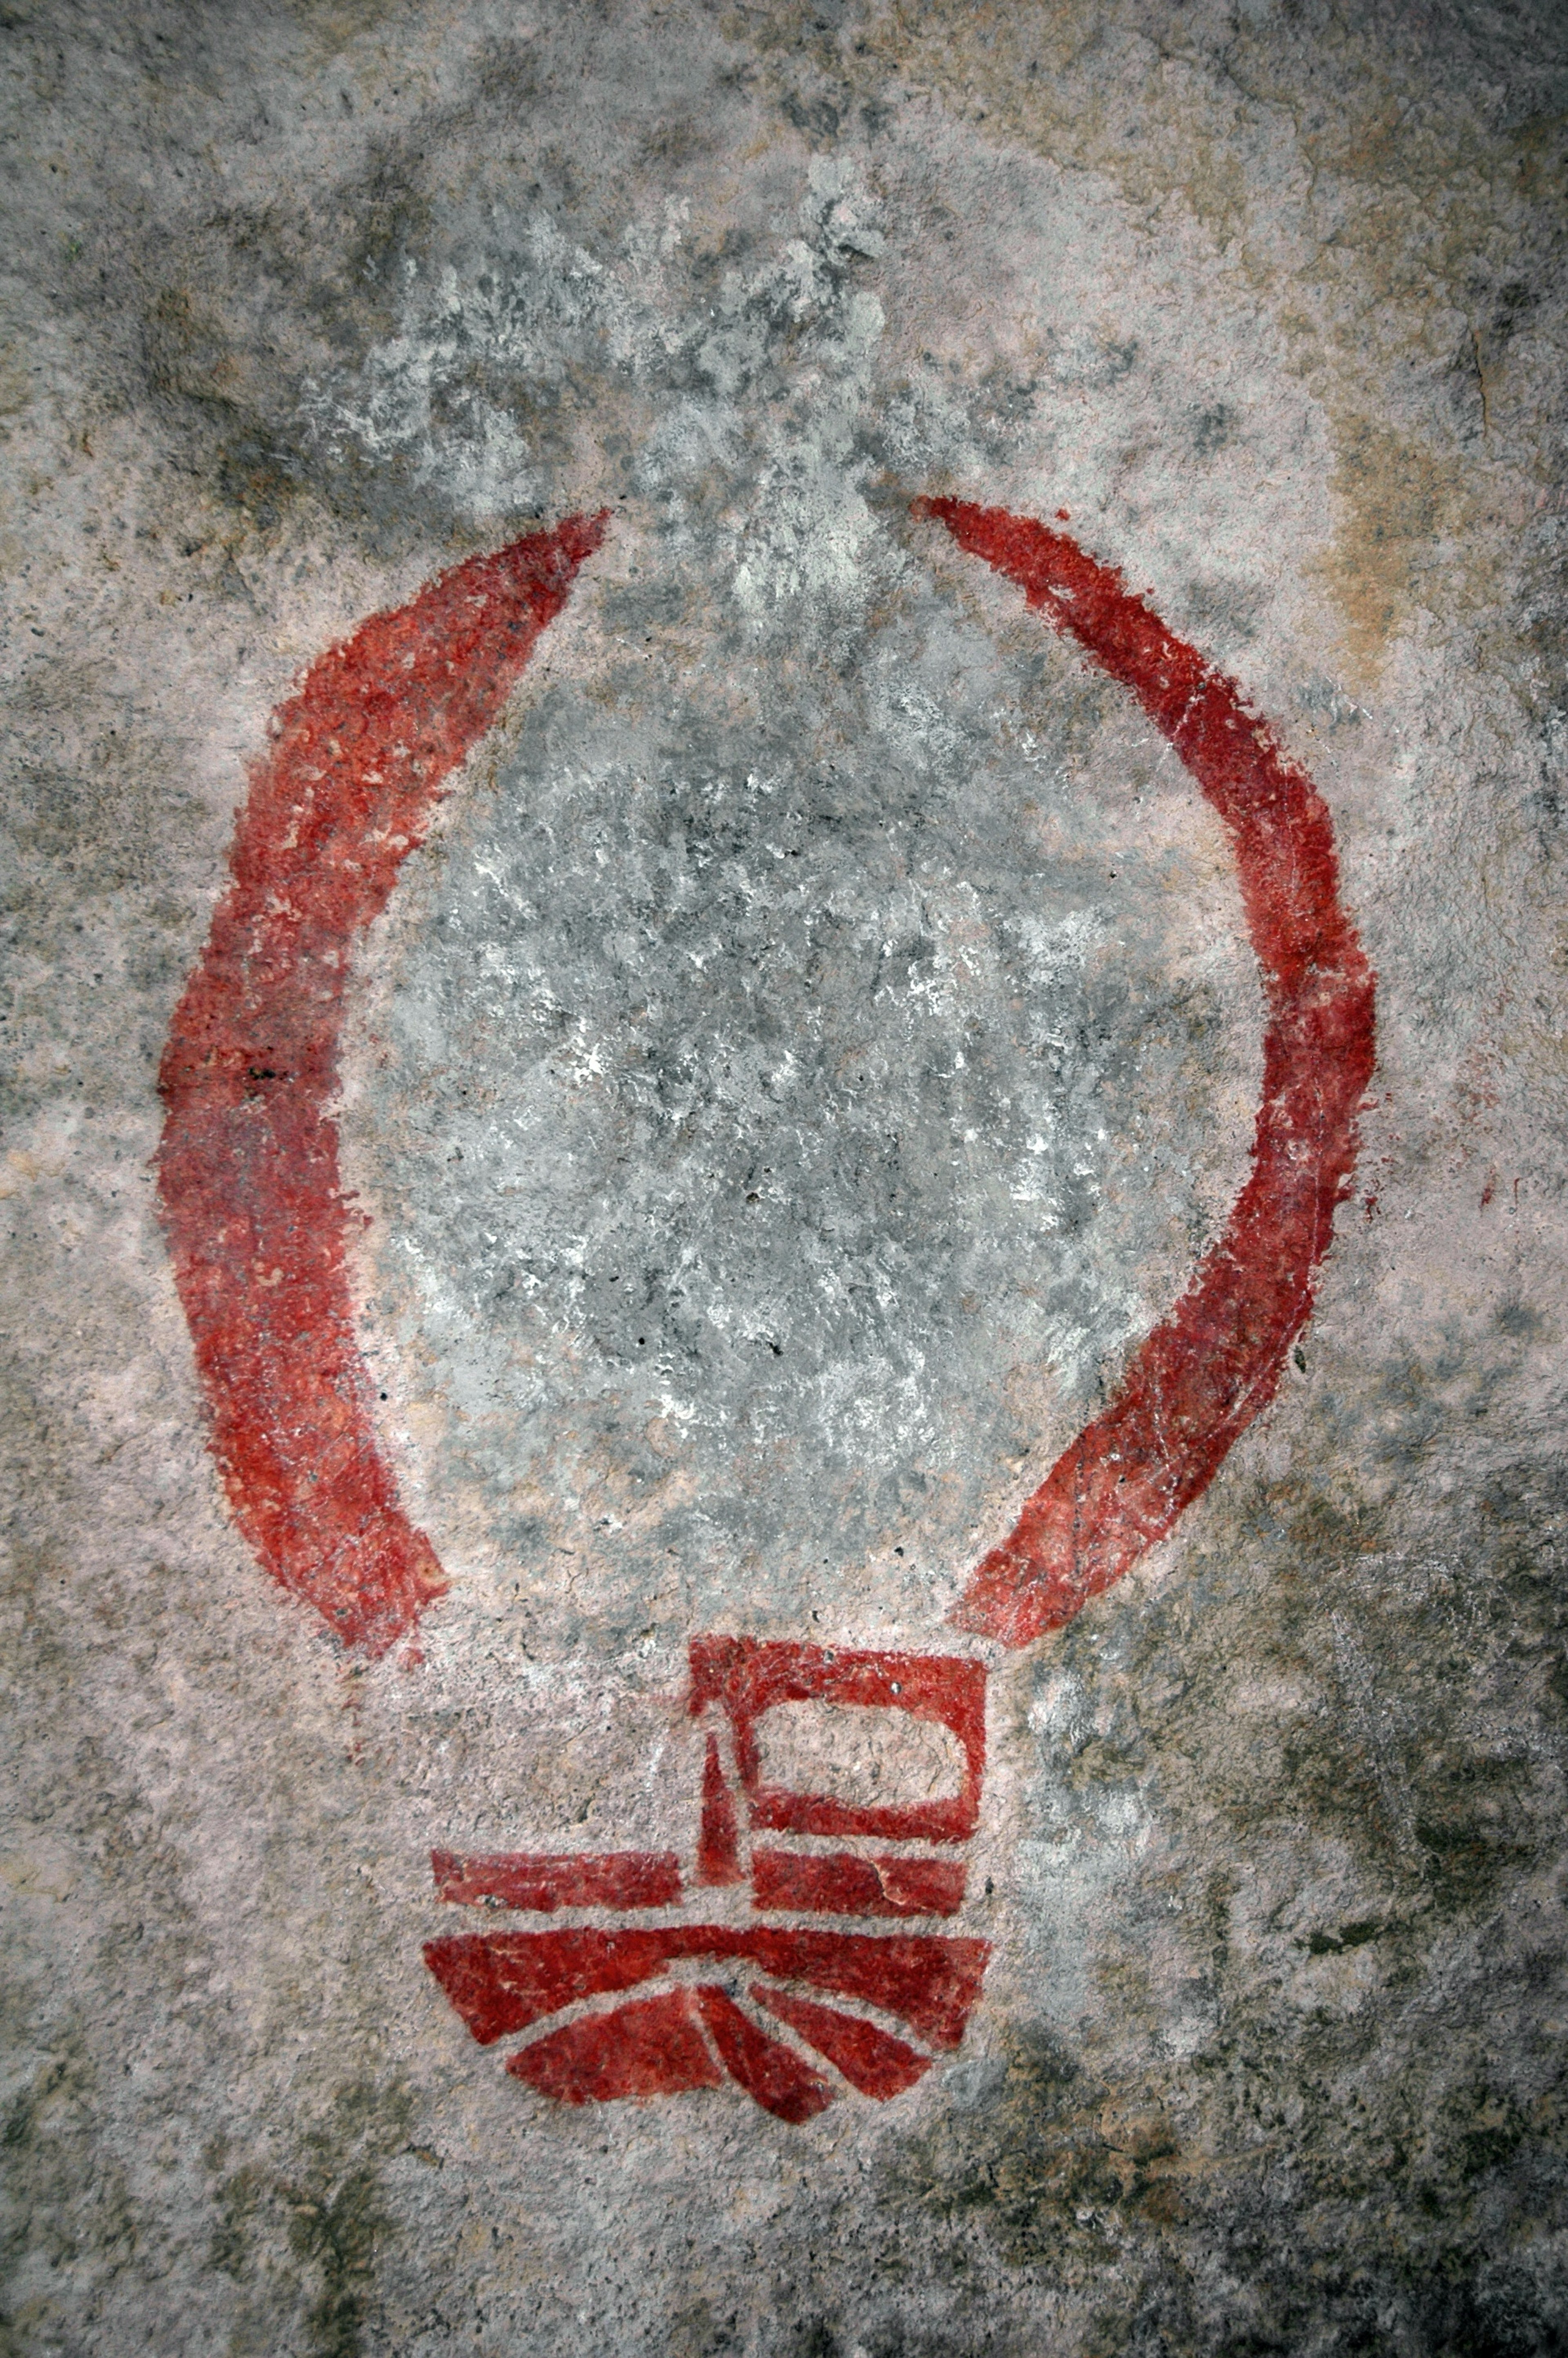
[816,1041]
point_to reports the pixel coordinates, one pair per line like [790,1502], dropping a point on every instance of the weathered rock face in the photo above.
[698,1135]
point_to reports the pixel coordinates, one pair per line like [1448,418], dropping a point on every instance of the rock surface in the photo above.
[815,1043]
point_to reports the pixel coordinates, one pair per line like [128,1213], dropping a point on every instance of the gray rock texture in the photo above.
[814,1045]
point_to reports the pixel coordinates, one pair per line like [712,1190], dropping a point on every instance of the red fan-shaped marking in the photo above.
[772,2073]
[1208,1367]
[870,2060]
[248,1174]
[654,2047]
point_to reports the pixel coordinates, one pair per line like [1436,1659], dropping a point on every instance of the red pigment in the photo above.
[248,1171]
[773,2074]
[654,2047]
[870,2060]
[501,1982]
[748,1676]
[836,1883]
[1215,1361]
[718,1836]
[621,1878]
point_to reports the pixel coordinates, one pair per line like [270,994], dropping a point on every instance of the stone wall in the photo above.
[761,709]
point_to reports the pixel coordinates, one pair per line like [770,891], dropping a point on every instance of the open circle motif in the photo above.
[249,1175]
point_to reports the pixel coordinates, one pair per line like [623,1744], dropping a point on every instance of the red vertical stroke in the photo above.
[248,1169]
[1213,1362]
[718,1837]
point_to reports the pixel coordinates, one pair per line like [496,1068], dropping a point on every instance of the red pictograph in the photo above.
[249,1179]
[248,1168]
[718,1986]
[1213,1362]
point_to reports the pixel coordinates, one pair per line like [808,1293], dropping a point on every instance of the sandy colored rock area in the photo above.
[813,1041]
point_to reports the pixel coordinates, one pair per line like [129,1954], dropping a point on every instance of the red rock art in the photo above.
[690,2033]
[871,2061]
[719,1842]
[844,1884]
[255,1214]
[745,1677]
[1215,1361]
[616,1878]
[771,2073]
[654,2047]
[248,1176]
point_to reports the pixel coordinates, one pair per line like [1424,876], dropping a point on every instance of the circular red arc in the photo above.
[247,1166]
[248,1169]
[1215,1361]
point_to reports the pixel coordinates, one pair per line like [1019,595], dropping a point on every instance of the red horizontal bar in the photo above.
[501,1982]
[614,1879]
[839,1884]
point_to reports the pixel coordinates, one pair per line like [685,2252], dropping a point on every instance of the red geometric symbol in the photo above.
[1215,1361]
[698,2018]
[248,1170]
[248,1174]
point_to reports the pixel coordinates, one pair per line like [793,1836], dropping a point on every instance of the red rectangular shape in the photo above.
[748,1676]
[615,1878]
[836,1883]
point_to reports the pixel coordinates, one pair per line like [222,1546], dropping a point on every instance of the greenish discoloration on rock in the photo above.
[324,2208]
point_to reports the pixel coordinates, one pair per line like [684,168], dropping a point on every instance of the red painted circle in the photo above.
[248,1171]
